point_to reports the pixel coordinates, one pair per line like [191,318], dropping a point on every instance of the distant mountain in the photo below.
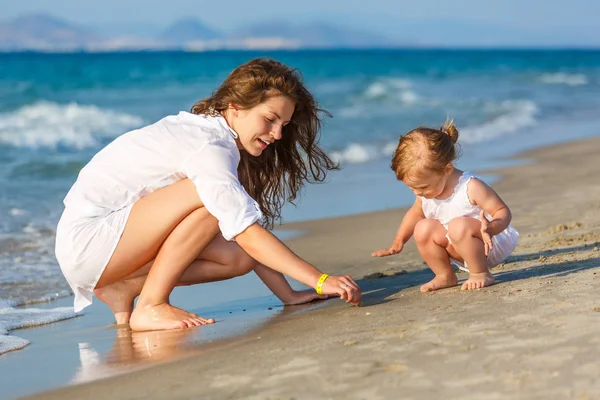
[189,30]
[44,32]
[129,29]
[316,35]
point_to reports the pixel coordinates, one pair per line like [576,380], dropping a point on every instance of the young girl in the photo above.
[456,218]
[184,201]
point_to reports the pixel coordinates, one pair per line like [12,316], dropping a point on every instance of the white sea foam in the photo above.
[381,97]
[395,89]
[510,117]
[11,343]
[355,153]
[48,124]
[44,298]
[16,212]
[561,78]
[16,318]
[507,117]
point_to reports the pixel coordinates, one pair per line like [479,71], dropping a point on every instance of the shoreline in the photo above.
[560,232]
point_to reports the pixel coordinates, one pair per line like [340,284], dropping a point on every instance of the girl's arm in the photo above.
[488,200]
[405,231]
[281,288]
[410,220]
[268,250]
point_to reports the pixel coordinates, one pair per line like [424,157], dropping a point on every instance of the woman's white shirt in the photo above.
[201,148]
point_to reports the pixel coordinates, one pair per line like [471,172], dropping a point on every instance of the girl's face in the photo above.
[260,126]
[431,184]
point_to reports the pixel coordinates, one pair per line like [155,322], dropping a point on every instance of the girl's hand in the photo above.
[485,235]
[305,296]
[343,286]
[396,248]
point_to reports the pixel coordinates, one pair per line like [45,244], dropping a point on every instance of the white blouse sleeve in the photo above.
[213,169]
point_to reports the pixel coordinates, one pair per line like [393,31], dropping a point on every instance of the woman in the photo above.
[183,201]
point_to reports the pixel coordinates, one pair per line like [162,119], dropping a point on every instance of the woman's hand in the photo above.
[395,248]
[485,235]
[304,296]
[343,286]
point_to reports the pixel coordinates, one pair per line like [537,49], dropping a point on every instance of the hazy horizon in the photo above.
[468,22]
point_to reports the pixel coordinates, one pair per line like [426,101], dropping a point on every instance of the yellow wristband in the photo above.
[319,287]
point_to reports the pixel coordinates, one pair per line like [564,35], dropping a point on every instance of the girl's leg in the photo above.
[172,227]
[434,247]
[465,234]
[219,261]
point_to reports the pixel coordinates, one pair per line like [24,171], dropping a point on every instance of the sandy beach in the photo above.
[534,335]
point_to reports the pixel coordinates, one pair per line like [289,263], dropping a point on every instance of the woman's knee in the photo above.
[245,263]
[238,263]
[229,254]
[463,227]
[203,220]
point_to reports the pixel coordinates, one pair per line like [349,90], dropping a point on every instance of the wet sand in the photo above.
[533,335]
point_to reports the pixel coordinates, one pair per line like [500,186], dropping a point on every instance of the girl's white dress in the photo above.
[459,205]
[201,148]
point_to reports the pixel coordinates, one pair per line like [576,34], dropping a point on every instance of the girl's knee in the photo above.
[424,230]
[463,227]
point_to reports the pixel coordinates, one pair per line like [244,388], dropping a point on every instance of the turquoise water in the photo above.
[57,110]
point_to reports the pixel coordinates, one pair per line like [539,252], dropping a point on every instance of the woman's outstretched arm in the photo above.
[281,288]
[268,250]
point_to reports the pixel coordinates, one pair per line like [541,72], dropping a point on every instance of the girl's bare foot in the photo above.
[164,316]
[477,281]
[119,297]
[440,282]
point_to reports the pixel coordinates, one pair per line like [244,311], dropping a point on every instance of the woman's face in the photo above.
[260,126]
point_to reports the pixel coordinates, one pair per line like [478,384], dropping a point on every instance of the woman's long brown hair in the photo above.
[280,172]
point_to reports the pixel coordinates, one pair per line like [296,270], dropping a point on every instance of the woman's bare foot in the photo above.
[164,316]
[477,281]
[440,282]
[119,297]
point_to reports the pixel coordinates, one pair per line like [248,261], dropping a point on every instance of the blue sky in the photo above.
[551,20]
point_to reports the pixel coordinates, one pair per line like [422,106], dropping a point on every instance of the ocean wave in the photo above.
[48,124]
[31,298]
[16,318]
[395,89]
[508,117]
[379,97]
[16,211]
[11,343]
[561,78]
[356,153]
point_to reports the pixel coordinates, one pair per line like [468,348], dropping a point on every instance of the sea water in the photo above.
[57,110]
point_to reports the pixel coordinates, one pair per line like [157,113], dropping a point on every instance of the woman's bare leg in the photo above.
[220,260]
[153,310]
[172,227]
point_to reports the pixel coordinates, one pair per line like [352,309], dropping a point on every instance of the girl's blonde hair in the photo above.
[425,150]
[282,169]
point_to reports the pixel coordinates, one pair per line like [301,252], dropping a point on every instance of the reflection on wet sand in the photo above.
[136,350]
